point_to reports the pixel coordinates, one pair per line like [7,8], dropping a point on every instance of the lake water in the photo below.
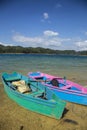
[73,67]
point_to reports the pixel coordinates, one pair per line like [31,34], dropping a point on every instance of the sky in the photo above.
[54,24]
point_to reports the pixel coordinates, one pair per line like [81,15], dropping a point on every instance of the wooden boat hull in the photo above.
[53,108]
[68,90]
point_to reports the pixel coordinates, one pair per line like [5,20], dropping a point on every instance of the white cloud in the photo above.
[50,33]
[52,43]
[5,44]
[21,38]
[45,15]
[1,43]
[82,45]
[49,39]
[42,41]
[45,18]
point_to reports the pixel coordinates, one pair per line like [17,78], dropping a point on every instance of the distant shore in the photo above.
[38,50]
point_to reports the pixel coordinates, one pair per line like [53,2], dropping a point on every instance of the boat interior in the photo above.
[24,86]
[58,84]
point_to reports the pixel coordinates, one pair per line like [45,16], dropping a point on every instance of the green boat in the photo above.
[33,95]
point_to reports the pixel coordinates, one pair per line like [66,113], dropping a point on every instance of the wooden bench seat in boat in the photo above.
[37,93]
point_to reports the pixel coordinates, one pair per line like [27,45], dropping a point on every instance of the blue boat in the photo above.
[63,88]
[32,95]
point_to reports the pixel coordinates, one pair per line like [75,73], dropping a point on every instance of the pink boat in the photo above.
[63,88]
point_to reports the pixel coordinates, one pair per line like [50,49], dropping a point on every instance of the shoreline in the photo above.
[45,54]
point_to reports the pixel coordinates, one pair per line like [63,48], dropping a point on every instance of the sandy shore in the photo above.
[14,117]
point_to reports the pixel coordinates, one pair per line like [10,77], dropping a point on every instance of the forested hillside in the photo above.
[20,49]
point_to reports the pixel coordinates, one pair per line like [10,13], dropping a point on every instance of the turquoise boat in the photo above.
[33,96]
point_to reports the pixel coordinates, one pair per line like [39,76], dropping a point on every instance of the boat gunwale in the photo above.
[66,90]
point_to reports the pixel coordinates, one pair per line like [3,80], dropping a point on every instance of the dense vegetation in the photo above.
[20,49]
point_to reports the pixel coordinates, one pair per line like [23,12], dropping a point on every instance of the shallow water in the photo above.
[73,67]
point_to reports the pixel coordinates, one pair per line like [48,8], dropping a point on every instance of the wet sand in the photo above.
[15,117]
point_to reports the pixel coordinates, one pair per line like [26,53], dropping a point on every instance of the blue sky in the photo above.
[55,24]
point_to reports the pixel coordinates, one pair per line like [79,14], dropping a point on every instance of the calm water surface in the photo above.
[73,67]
